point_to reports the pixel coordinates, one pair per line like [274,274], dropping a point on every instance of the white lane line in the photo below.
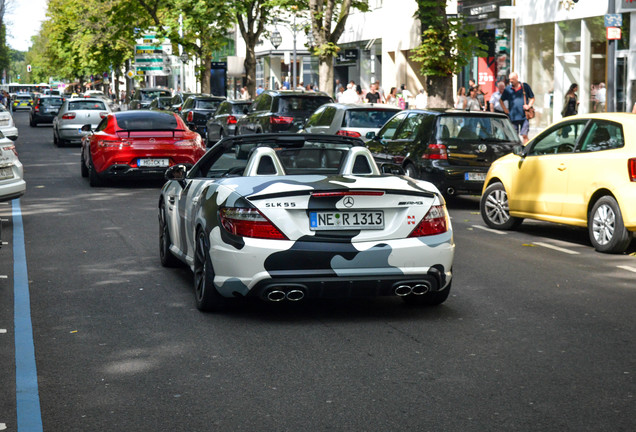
[628,268]
[490,230]
[3,426]
[2,331]
[4,277]
[556,248]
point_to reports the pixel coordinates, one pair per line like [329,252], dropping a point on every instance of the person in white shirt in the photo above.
[495,99]
[420,100]
[601,98]
[349,95]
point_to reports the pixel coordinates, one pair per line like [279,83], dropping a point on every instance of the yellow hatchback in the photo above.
[580,171]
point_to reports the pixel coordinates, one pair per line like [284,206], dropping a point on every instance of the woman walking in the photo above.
[571,102]
[461,99]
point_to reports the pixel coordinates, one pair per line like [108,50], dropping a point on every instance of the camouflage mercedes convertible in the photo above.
[291,217]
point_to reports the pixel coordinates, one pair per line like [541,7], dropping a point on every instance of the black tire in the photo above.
[93,178]
[410,171]
[435,298]
[32,122]
[207,297]
[83,167]
[56,140]
[606,228]
[494,208]
[167,258]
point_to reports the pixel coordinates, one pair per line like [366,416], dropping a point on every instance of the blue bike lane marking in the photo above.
[26,374]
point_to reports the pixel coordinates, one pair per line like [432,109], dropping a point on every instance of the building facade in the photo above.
[557,43]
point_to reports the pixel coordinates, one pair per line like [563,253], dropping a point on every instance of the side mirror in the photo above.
[518,150]
[370,135]
[176,172]
[86,128]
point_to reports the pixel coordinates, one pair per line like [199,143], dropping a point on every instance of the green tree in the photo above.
[447,46]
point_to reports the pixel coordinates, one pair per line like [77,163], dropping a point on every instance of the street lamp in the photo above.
[276,39]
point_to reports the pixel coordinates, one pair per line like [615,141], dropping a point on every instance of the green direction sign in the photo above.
[147,49]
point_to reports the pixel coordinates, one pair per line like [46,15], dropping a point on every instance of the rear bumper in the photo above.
[10,132]
[452,180]
[12,190]
[126,171]
[43,118]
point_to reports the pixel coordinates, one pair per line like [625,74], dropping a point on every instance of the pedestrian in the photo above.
[421,100]
[372,95]
[495,99]
[259,90]
[406,97]
[461,101]
[380,90]
[245,94]
[471,83]
[481,97]
[520,109]
[349,95]
[473,102]
[570,102]
[601,98]
[339,94]
[359,94]
[391,98]
[336,88]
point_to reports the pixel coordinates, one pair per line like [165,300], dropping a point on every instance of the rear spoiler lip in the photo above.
[128,131]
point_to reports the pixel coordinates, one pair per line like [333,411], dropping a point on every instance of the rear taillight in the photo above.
[36,108]
[249,222]
[435,222]
[231,120]
[190,117]
[281,120]
[631,167]
[10,147]
[435,151]
[69,116]
[112,144]
[103,114]
[347,133]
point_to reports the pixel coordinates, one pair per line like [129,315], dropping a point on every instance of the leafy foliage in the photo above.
[447,43]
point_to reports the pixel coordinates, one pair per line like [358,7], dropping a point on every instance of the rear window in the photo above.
[86,105]
[467,128]
[23,97]
[208,104]
[150,95]
[52,101]
[367,118]
[239,108]
[291,104]
[145,122]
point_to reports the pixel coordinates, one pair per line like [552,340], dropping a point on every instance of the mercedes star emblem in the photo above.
[348,202]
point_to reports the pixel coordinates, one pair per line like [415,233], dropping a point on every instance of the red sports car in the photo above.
[138,144]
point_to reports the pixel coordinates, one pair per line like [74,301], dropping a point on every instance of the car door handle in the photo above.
[562,167]
[171,199]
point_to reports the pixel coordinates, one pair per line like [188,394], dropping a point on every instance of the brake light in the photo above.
[347,133]
[249,222]
[231,120]
[435,151]
[435,222]
[631,166]
[103,114]
[36,108]
[111,144]
[12,148]
[281,120]
[190,116]
[69,116]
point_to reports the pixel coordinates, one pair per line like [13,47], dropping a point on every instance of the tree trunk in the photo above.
[206,64]
[250,70]
[325,74]
[440,91]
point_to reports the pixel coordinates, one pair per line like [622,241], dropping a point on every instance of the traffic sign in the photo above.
[614,33]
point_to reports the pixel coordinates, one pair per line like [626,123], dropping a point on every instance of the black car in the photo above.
[223,122]
[44,109]
[197,109]
[143,96]
[280,111]
[451,149]
[177,101]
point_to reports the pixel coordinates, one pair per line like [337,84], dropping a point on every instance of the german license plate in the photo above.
[154,163]
[472,176]
[6,173]
[336,220]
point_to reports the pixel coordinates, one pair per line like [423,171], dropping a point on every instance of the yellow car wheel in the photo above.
[494,208]
[606,228]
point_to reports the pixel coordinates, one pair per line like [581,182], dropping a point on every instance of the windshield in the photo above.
[475,128]
[366,118]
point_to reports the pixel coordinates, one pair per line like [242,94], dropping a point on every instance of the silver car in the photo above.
[353,120]
[75,113]
[12,183]
[7,125]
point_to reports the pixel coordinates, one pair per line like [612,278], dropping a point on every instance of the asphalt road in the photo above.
[538,333]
